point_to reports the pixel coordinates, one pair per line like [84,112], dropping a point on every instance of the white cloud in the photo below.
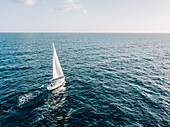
[26,2]
[71,5]
[68,5]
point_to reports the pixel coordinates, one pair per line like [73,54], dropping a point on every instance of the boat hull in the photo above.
[57,84]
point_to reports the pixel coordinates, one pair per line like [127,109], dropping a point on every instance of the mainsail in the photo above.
[57,70]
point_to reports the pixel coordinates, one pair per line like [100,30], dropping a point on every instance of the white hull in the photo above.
[57,84]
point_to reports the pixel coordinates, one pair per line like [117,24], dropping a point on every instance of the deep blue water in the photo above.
[111,80]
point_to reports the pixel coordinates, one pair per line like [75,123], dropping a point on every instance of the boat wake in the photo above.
[27,97]
[54,103]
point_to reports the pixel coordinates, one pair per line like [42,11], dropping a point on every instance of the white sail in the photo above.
[57,70]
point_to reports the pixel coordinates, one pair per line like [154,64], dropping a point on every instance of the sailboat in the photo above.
[58,77]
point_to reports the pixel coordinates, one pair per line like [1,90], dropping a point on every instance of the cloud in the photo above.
[68,5]
[71,5]
[26,2]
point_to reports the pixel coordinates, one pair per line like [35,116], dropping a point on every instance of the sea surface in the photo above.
[111,80]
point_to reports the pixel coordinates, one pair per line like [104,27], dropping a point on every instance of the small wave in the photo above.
[41,86]
[18,68]
[27,97]
[9,110]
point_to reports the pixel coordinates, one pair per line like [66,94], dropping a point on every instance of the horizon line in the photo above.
[83,32]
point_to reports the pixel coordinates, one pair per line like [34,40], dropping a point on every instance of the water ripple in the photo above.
[111,80]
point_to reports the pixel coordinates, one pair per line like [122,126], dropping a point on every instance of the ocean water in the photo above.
[111,80]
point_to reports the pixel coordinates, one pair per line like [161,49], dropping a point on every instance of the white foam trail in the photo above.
[26,97]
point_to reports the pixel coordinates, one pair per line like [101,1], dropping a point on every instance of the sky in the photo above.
[110,16]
